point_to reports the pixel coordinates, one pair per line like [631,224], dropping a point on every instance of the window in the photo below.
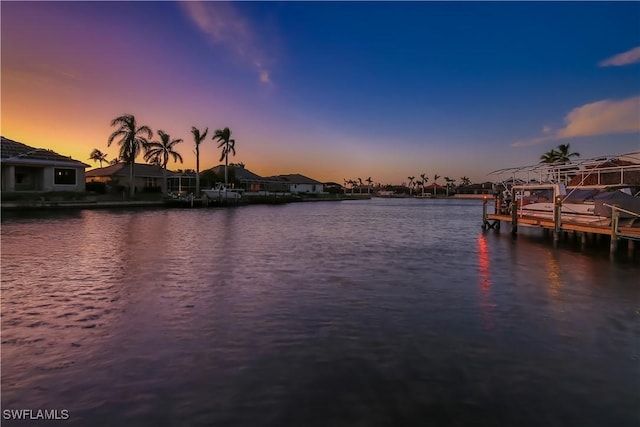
[64,176]
[150,182]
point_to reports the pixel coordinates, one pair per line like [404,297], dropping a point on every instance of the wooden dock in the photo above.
[559,225]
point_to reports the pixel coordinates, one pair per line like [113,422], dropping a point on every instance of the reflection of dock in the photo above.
[612,227]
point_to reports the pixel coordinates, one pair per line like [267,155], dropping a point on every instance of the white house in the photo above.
[300,184]
[26,168]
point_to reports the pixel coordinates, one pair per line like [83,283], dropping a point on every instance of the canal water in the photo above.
[385,312]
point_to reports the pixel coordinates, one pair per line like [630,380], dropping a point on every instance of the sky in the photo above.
[331,90]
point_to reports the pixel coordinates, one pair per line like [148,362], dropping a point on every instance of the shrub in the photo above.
[97,187]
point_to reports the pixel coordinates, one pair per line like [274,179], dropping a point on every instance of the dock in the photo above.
[559,226]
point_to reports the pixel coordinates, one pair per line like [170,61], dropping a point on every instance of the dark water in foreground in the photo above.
[366,313]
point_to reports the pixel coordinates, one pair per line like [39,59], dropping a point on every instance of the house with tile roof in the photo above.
[250,181]
[147,177]
[26,168]
[298,184]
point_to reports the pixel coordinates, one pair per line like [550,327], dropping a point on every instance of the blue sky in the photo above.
[331,90]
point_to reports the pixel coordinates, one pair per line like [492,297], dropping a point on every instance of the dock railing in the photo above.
[615,222]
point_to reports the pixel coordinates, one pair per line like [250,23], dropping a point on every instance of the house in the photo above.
[483,188]
[299,183]
[26,168]
[249,181]
[147,177]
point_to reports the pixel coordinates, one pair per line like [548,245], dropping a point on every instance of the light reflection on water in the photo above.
[382,312]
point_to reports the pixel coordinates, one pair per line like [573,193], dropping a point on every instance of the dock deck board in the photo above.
[532,221]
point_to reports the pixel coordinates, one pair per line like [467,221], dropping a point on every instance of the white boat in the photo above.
[539,200]
[584,191]
[220,192]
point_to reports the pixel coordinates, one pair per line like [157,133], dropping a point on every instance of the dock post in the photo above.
[615,214]
[514,213]
[557,220]
[583,240]
[630,247]
[484,213]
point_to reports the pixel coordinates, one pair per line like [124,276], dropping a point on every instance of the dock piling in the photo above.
[514,213]
[557,220]
[615,216]
[484,213]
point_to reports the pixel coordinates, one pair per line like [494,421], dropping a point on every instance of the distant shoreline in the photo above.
[30,205]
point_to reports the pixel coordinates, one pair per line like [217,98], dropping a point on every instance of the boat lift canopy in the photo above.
[584,168]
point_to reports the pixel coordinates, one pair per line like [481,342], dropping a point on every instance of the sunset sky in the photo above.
[331,90]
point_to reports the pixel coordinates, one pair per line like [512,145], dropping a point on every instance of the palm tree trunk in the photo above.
[197,171]
[226,165]
[164,181]
[132,187]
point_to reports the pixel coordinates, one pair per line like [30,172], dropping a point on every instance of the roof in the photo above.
[141,170]
[241,174]
[295,178]
[19,153]
[612,172]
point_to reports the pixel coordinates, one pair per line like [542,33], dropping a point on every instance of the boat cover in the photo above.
[622,200]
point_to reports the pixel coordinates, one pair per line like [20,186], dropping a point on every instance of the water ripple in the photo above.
[385,312]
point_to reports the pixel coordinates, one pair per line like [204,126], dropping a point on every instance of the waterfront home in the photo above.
[238,173]
[26,168]
[483,188]
[147,177]
[297,183]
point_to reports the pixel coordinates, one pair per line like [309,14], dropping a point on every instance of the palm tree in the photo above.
[410,178]
[465,181]
[132,140]
[223,136]
[352,183]
[369,181]
[360,186]
[435,180]
[424,181]
[160,151]
[564,155]
[549,157]
[98,156]
[449,183]
[198,138]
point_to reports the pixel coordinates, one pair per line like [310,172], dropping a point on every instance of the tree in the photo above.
[549,157]
[160,151]
[424,181]
[223,136]
[369,181]
[98,156]
[411,178]
[564,153]
[198,138]
[449,183]
[465,181]
[360,185]
[353,184]
[132,140]
[435,180]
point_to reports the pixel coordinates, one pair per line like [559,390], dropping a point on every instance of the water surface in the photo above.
[373,313]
